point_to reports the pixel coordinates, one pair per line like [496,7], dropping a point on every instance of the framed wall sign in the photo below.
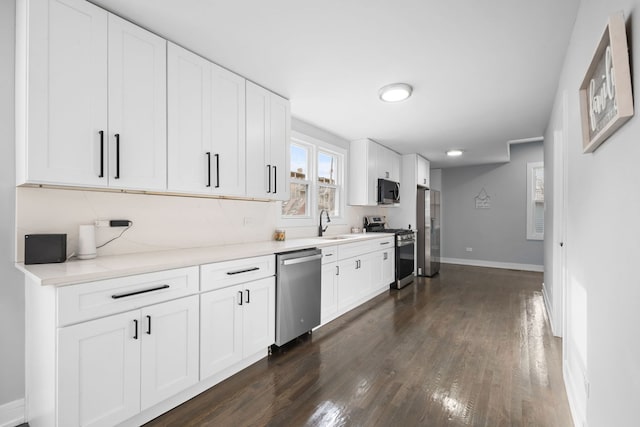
[606,100]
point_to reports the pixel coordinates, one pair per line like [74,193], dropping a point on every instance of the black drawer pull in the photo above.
[231,273]
[385,243]
[142,291]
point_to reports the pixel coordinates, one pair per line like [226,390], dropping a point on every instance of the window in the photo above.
[328,189]
[535,201]
[316,170]
[298,204]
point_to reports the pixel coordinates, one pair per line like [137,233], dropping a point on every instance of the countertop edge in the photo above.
[113,266]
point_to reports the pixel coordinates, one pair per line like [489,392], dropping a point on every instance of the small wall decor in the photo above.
[483,201]
[606,100]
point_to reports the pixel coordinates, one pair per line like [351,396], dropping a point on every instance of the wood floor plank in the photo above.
[470,347]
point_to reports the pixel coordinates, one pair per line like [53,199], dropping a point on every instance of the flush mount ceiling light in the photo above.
[454,153]
[395,92]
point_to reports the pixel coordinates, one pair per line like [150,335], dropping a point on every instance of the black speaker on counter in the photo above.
[45,248]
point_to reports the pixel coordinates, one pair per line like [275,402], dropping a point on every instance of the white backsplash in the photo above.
[159,222]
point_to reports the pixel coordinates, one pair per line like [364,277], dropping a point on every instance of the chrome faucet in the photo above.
[320,228]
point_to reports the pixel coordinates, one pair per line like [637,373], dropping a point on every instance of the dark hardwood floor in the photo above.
[470,347]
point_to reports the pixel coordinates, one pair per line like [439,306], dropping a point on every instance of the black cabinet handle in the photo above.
[248,295]
[117,135]
[135,329]
[275,179]
[148,325]
[337,270]
[217,170]
[231,273]
[385,243]
[208,154]
[269,174]
[142,291]
[101,154]
[239,297]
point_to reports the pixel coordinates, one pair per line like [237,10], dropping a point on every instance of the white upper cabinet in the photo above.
[369,161]
[206,124]
[423,171]
[137,107]
[61,93]
[268,132]
[91,98]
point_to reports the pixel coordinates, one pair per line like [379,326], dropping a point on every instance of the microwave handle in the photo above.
[396,192]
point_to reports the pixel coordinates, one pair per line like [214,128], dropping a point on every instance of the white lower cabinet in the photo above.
[111,368]
[235,323]
[329,291]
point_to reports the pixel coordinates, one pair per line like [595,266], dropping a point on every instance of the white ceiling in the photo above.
[484,72]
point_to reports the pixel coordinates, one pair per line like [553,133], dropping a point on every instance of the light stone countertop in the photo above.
[108,267]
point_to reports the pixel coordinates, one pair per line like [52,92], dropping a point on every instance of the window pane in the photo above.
[328,200]
[327,168]
[299,162]
[297,203]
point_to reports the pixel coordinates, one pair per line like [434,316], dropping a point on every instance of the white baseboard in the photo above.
[12,413]
[571,397]
[492,264]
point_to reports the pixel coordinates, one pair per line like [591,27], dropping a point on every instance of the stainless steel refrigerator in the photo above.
[428,244]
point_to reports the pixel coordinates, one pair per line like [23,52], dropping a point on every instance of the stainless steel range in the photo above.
[405,244]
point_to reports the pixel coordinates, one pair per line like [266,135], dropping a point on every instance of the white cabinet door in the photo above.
[258,124]
[170,343]
[423,172]
[259,315]
[396,164]
[189,121]
[99,371]
[363,173]
[268,131]
[329,294]
[228,133]
[388,266]
[348,282]
[63,112]
[280,129]
[220,330]
[384,162]
[137,107]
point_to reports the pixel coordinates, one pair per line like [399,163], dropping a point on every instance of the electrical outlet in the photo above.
[102,223]
[249,220]
[469,249]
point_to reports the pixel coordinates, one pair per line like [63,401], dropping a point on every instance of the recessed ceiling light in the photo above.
[395,92]
[454,153]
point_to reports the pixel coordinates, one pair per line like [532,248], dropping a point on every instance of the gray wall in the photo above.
[498,234]
[602,238]
[11,281]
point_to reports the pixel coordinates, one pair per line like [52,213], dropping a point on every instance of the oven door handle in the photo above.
[407,243]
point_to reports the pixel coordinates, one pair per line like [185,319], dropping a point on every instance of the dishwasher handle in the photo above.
[301,259]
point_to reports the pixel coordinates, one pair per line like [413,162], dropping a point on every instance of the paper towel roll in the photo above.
[86,242]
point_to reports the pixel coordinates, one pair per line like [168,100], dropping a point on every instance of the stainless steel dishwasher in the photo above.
[297,293]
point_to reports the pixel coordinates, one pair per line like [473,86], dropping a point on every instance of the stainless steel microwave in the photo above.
[388,192]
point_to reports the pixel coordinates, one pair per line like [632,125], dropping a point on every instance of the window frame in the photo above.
[316,145]
[531,201]
[308,181]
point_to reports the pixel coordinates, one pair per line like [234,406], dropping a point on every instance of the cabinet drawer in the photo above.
[329,254]
[360,248]
[222,274]
[91,300]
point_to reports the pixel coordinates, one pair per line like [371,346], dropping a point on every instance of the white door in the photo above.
[348,283]
[67,99]
[228,132]
[280,119]
[329,291]
[189,121]
[259,315]
[220,330]
[259,173]
[137,107]
[170,345]
[99,371]
[388,267]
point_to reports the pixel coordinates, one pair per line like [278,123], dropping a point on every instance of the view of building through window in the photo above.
[298,203]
